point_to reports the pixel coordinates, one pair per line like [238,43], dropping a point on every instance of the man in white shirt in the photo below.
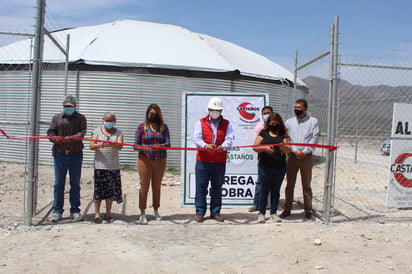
[303,129]
[214,134]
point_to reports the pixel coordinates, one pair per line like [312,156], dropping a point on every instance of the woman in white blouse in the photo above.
[107,180]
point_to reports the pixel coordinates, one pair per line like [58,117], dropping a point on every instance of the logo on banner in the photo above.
[248,113]
[402,167]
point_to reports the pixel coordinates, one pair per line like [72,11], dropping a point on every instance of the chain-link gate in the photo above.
[20,86]
[365,118]
[16,90]
[368,89]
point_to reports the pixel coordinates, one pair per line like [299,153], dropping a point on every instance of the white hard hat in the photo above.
[215,103]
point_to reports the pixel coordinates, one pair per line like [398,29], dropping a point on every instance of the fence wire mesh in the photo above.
[16,90]
[368,89]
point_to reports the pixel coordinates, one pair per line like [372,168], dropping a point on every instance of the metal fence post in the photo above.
[332,123]
[36,82]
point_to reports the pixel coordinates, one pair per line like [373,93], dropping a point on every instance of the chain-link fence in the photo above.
[17,91]
[15,88]
[368,89]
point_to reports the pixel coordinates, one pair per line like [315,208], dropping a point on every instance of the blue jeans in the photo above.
[257,193]
[62,163]
[271,180]
[215,172]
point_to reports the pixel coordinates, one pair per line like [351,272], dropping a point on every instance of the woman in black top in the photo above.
[272,163]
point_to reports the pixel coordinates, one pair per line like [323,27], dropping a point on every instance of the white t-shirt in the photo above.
[107,157]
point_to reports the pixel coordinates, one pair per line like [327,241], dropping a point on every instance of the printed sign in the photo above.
[400,170]
[244,112]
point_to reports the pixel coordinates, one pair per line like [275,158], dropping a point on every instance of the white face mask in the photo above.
[214,114]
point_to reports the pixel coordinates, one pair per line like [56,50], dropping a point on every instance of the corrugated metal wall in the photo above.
[15,92]
[126,94]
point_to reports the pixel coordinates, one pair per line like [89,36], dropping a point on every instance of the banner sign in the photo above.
[399,193]
[244,112]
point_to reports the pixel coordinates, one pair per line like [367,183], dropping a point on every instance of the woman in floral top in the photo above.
[151,135]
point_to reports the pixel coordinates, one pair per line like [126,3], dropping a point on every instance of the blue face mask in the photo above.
[265,117]
[108,125]
[68,111]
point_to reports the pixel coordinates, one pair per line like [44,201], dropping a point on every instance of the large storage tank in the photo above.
[123,67]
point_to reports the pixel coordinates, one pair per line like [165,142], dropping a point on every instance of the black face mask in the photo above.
[298,112]
[154,118]
[274,128]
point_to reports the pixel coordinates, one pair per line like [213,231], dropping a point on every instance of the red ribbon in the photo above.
[330,148]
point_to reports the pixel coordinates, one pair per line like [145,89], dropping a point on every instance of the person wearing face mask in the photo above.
[68,156]
[214,135]
[271,164]
[266,111]
[149,136]
[107,179]
[303,129]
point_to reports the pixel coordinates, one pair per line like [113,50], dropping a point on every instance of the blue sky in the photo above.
[274,29]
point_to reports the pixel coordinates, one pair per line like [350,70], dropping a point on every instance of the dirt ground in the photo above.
[177,244]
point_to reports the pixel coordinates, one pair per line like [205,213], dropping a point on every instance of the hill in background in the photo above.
[364,111]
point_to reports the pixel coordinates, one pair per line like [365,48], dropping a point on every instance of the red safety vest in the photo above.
[207,133]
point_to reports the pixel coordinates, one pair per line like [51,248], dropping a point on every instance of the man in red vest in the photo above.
[214,134]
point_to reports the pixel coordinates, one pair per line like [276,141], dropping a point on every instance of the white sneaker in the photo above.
[261,218]
[55,217]
[275,218]
[143,220]
[77,217]
[157,216]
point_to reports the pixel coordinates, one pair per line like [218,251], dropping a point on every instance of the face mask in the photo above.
[214,114]
[154,118]
[108,125]
[68,111]
[298,112]
[265,117]
[274,128]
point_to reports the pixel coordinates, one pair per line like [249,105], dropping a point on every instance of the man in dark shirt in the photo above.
[68,156]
